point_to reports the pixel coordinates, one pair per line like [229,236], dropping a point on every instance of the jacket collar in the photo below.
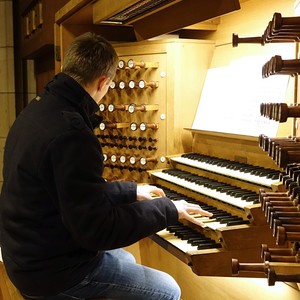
[64,86]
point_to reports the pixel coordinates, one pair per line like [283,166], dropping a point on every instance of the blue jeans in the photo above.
[118,276]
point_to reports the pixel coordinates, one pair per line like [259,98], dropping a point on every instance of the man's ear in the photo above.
[102,81]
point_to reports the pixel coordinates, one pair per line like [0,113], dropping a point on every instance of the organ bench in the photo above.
[7,290]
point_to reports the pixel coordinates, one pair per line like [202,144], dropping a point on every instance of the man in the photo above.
[62,224]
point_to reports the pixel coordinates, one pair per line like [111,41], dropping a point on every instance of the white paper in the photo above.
[231,98]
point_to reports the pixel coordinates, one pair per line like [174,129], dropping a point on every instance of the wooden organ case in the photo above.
[146,113]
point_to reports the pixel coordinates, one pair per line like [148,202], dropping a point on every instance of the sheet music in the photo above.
[231,98]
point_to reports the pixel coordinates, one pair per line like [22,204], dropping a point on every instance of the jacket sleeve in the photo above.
[99,214]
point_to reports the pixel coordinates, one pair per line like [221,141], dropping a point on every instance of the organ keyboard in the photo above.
[230,190]
[241,171]
[217,190]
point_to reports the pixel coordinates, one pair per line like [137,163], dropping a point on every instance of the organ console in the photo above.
[224,173]
[230,190]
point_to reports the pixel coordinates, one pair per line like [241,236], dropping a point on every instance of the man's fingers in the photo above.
[196,209]
[157,192]
[192,212]
[147,192]
[194,220]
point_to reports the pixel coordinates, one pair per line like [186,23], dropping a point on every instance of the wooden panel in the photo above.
[135,251]
[177,95]
[104,9]
[187,13]
[232,147]
[38,34]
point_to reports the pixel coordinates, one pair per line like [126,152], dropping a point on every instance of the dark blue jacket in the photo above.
[57,212]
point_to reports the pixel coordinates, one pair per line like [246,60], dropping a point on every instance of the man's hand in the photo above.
[147,192]
[186,211]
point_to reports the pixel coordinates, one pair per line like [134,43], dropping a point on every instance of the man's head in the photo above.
[92,62]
